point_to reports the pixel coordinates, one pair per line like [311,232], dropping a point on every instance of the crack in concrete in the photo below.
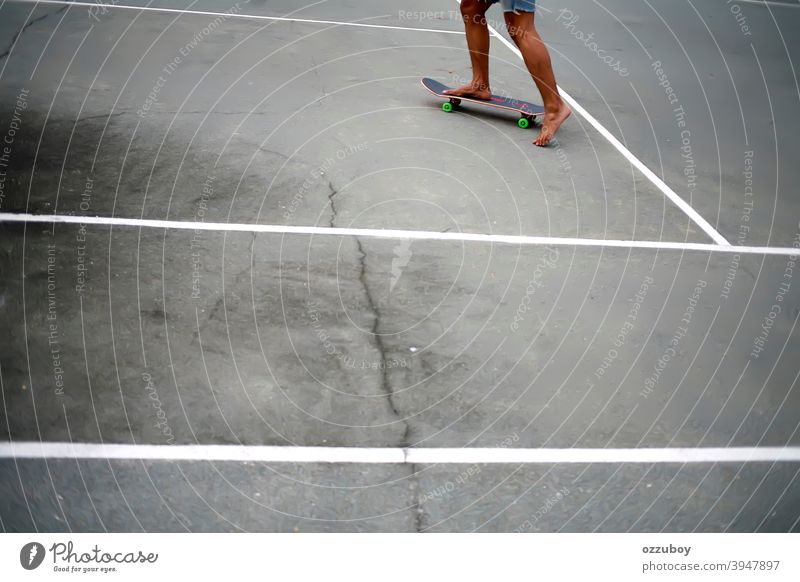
[273,152]
[317,76]
[418,511]
[333,193]
[250,262]
[385,384]
[27,26]
[100,116]
[237,279]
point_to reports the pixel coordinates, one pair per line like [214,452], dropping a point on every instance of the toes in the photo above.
[542,139]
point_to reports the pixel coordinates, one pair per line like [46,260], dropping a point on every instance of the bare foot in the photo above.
[473,90]
[552,121]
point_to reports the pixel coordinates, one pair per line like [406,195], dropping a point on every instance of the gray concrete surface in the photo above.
[270,339]
[145,496]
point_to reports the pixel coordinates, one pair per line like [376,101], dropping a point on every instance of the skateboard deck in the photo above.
[527,111]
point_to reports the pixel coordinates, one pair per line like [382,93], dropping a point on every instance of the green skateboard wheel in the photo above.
[523,122]
[447,106]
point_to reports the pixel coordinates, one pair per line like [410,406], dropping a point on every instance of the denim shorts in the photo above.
[516,5]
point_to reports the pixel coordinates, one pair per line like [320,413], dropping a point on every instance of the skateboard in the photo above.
[527,111]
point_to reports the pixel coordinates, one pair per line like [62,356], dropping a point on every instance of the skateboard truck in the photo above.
[448,106]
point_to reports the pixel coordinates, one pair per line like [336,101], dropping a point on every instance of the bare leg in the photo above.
[537,59]
[477,31]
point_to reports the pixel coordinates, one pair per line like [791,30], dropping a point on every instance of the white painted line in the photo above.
[770,3]
[293,454]
[600,455]
[398,234]
[229,15]
[628,155]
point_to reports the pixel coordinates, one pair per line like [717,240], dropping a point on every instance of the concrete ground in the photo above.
[138,334]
